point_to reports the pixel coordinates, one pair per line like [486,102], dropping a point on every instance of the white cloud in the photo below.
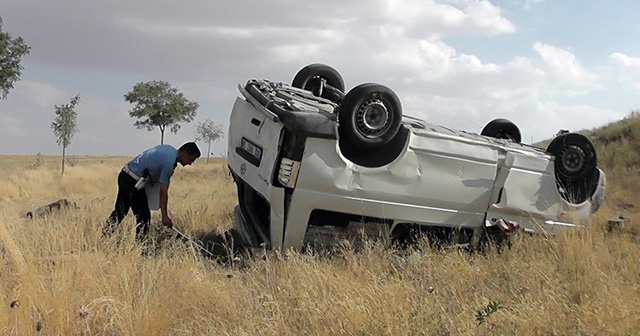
[563,67]
[156,29]
[528,4]
[630,69]
[432,20]
[36,94]
[632,63]
[484,15]
[444,86]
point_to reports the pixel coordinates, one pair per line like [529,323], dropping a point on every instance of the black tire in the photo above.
[575,156]
[502,129]
[369,116]
[322,80]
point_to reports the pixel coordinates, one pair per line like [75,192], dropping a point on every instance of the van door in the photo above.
[525,192]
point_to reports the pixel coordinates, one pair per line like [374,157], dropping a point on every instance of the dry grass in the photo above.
[58,275]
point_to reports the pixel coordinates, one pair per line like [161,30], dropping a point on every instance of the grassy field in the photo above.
[58,276]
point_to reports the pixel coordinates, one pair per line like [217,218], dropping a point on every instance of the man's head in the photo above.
[188,153]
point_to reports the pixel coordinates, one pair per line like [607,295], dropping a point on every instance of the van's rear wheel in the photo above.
[575,155]
[575,166]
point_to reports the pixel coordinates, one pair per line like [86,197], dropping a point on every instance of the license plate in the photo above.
[250,151]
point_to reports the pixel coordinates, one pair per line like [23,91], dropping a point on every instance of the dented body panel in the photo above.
[441,178]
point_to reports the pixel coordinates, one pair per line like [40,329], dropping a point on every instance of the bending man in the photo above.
[154,165]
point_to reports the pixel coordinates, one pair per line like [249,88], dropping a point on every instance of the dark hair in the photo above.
[191,149]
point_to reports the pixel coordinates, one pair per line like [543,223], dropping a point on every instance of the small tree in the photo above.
[159,104]
[64,124]
[208,132]
[11,51]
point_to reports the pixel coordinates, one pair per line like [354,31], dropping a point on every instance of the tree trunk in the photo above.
[63,151]
[208,151]
[161,136]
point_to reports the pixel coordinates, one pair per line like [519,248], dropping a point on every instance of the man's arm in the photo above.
[164,200]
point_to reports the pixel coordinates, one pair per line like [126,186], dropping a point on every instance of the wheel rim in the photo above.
[372,118]
[573,159]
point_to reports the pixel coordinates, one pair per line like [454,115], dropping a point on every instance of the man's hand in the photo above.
[164,199]
[166,221]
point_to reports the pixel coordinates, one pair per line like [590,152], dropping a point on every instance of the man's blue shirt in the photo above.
[160,160]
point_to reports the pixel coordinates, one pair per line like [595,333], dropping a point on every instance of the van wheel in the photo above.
[322,80]
[575,155]
[502,129]
[575,166]
[369,116]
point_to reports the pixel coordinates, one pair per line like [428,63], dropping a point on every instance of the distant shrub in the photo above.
[37,163]
[72,161]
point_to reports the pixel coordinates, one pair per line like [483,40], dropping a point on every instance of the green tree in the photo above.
[208,132]
[159,104]
[11,51]
[64,124]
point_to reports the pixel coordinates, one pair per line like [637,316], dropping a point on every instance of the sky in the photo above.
[546,65]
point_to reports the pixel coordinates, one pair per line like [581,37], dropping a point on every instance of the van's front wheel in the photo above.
[502,129]
[322,80]
[370,116]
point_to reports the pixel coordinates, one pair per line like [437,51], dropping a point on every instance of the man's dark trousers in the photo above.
[130,198]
